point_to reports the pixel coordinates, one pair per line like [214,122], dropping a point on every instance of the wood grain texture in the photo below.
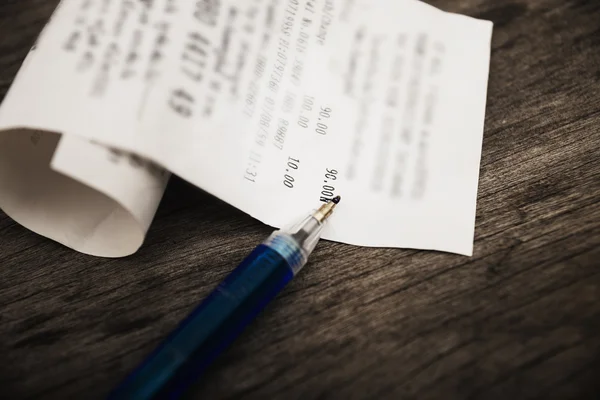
[518,320]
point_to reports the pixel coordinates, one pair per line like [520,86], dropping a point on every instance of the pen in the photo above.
[216,322]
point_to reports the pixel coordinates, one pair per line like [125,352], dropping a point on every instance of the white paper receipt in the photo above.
[262,103]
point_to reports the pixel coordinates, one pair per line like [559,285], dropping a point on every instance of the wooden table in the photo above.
[518,320]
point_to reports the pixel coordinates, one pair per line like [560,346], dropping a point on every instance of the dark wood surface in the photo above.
[518,320]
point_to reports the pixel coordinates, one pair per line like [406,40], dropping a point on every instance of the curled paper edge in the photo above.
[78,193]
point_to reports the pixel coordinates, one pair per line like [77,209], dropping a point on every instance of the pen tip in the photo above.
[326,209]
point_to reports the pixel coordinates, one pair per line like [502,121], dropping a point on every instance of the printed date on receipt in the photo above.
[258,102]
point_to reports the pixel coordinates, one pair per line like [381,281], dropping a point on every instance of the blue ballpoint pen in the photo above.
[211,327]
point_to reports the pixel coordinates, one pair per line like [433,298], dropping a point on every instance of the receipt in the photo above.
[272,106]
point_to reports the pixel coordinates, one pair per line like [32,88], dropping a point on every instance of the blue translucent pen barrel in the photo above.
[215,323]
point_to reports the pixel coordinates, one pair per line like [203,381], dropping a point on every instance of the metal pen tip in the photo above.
[326,209]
